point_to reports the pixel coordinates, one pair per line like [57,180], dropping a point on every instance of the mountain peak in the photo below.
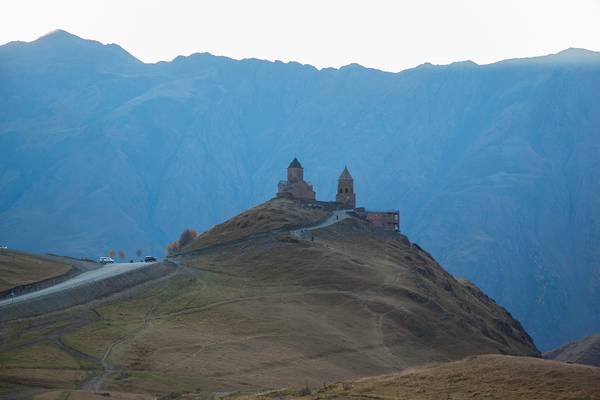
[577,51]
[576,54]
[570,56]
[60,46]
[58,34]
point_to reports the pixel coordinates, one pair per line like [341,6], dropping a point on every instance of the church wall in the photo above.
[386,220]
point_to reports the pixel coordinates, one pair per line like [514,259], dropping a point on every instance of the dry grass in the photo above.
[86,395]
[42,365]
[42,377]
[45,356]
[272,215]
[18,268]
[482,377]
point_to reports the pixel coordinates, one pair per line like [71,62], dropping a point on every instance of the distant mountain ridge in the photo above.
[494,167]
[584,351]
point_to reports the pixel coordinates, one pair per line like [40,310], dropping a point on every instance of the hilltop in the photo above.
[256,305]
[267,217]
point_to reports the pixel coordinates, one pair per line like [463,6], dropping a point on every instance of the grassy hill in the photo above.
[253,307]
[267,217]
[18,268]
[480,377]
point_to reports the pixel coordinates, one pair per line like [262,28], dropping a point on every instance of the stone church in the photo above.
[297,188]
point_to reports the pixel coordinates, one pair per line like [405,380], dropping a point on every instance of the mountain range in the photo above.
[494,168]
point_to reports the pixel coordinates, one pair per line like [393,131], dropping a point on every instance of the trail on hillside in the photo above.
[334,218]
[95,383]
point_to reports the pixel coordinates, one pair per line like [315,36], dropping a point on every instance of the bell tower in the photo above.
[295,171]
[345,190]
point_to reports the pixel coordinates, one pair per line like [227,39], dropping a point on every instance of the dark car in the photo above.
[149,259]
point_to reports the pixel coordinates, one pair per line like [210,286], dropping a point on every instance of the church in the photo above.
[295,187]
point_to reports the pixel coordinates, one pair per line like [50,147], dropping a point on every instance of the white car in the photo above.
[106,260]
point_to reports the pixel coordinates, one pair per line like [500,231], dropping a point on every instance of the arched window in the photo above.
[341,190]
[346,190]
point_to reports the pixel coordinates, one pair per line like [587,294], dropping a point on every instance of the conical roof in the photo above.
[345,176]
[295,163]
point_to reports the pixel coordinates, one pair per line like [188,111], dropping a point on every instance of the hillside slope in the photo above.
[101,151]
[18,269]
[584,351]
[482,377]
[266,310]
[275,214]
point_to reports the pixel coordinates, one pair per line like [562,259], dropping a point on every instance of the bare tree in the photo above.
[186,237]
[121,255]
[172,248]
[138,253]
[111,254]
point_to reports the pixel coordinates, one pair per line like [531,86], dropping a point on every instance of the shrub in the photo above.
[173,248]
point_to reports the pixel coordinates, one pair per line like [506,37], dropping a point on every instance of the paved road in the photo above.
[99,274]
[336,216]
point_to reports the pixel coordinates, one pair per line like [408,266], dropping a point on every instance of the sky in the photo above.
[388,35]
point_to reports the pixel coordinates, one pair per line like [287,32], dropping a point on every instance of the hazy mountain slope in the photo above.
[494,168]
[584,351]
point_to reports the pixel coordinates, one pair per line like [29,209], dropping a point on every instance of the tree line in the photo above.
[186,237]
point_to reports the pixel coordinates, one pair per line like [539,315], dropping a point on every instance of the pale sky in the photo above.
[388,35]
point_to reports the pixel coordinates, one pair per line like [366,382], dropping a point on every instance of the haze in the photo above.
[388,35]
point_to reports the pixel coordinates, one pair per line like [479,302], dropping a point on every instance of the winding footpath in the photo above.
[334,218]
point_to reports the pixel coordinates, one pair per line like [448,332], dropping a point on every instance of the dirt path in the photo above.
[209,306]
[95,383]
[336,216]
